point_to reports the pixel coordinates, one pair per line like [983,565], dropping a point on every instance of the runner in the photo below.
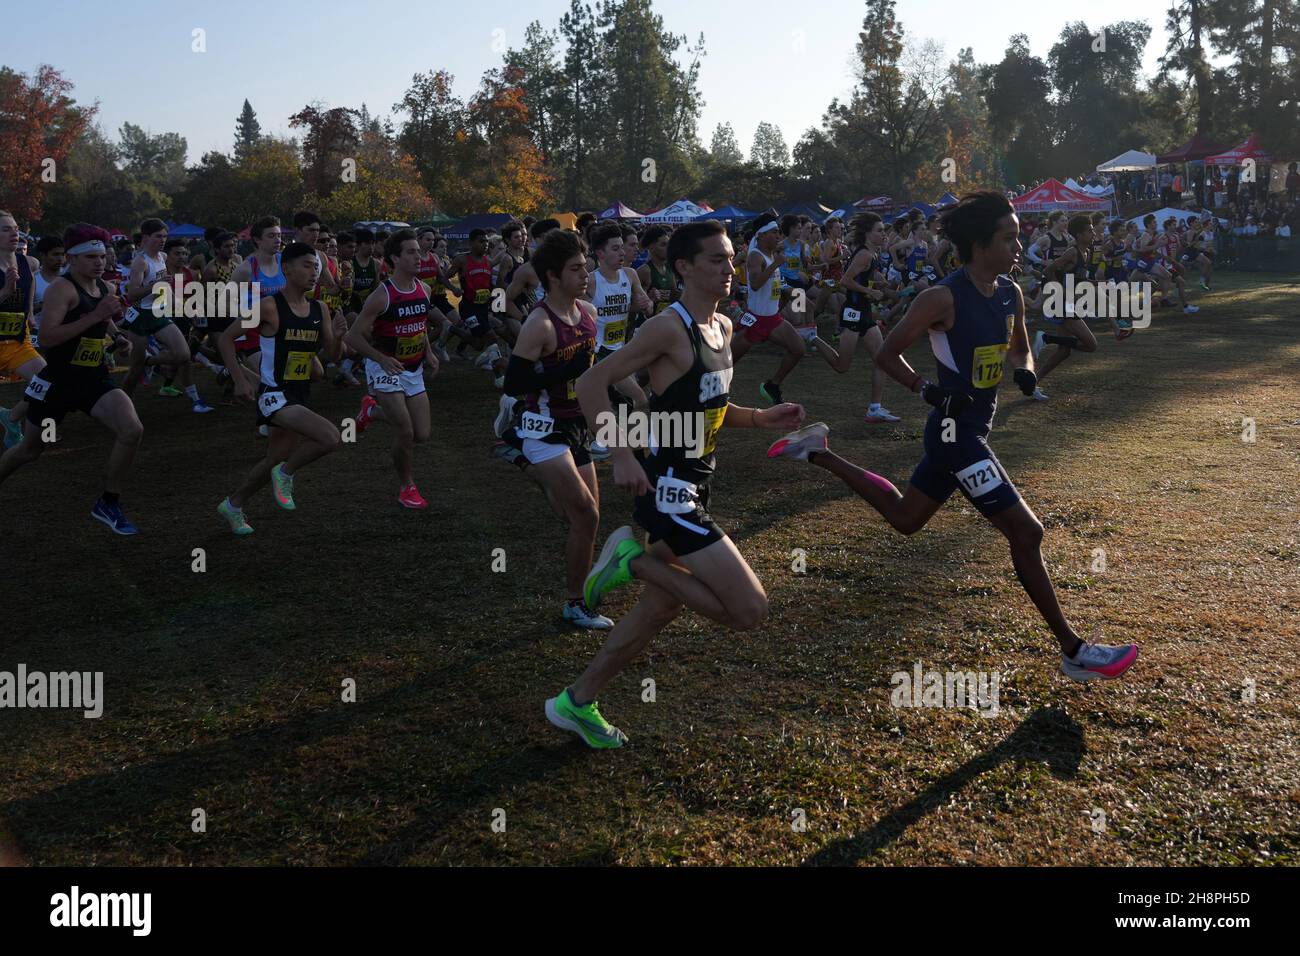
[392,336]
[763,321]
[140,323]
[78,315]
[655,276]
[690,560]
[365,277]
[475,272]
[557,344]
[855,317]
[975,321]
[513,256]
[176,252]
[291,329]
[17,354]
[262,267]
[430,274]
[51,255]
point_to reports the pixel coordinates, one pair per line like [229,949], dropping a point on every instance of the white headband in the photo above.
[753,242]
[91,245]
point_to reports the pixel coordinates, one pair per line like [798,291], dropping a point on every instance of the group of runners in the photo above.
[571,324]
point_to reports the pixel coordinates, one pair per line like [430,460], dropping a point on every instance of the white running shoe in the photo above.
[799,444]
[264,431]
[487,357]
[505,412]
[1099,662]
[1188,310]
[1039,395]
[599,452]
[1039,342]
[879,413]
[442,353]
[580,616]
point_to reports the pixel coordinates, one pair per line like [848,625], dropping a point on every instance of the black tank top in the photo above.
[286,358]
[13,311]
[856,299]
[705,390]
[81,357]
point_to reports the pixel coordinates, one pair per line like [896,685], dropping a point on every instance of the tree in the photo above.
[1186,52]
[434,133]
[1020,113]
[92,188]
[769,147]
[1096,89]
[541,80]
[157,160]
[581,100]
[205,197]
[39,123]
[724,150]
[268,182]
[247,132]
[332,136]
[387,186]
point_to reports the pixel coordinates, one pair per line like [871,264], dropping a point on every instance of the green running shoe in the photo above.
[611,568]
[235,516]
[283,487]
[169,391]
[586,722]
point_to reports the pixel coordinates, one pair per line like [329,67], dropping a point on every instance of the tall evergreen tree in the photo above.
[247,131]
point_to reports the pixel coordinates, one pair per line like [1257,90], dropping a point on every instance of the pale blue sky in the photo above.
[283,55]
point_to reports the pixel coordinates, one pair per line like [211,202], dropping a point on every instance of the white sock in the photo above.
[873,407]
[193,392]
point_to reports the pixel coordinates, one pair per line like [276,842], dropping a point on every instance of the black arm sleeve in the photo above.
[522,377]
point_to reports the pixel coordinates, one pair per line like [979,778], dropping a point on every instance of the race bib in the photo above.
[297,367]
[980,478]
[481,296]
[409,347]
[383,380]
[748,319]
[268,403]
[12,325]
[535,425]
[852,315]
[89,353]
[130,315]
[615,331]
[37,389]
[675,497]
[986,365]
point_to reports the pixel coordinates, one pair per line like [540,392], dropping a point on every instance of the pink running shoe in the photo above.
[409,497]
[368,406]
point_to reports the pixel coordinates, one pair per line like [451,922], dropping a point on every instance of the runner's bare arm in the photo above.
[933,309]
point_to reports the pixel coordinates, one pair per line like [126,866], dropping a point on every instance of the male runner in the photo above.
[763,321]
[291,330]
[17,354]
[79,312]
[690,560]
[140,323]
[392,335]
[976,322]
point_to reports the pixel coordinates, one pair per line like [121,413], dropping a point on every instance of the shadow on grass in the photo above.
[1047,736]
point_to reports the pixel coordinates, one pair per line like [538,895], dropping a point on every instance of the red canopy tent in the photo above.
[1196,148]
[1054,194]
[1240,153]
[874,203]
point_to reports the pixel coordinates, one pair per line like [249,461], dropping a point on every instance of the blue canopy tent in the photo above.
[730,213]
[484,220]
[813,210]
[184,230]
[946,200]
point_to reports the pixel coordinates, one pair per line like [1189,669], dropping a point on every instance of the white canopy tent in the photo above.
[681,211]
[1132,161]
[1182,215]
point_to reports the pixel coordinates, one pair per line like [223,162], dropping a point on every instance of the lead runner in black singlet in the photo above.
[690,560]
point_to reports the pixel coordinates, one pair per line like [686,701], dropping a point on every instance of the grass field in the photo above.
[223,688]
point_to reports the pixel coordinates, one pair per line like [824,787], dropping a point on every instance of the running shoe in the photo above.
[499,382]
[199,408]
[1189,309]
[13,430]
[1040,340]
[1099,661]
[880,414]
[1039,395]
[1204,286]
[264,431]
[282,485]
[770,391]
[586,722]
[409,497]
[505,413]
[236,518]
[507,453]
[487,357]
[368,406]
[112,516]
[442,353]
[579,615]
[169,391]
[799,444]
[599,452]
[611,569]
[1121,334]
[345,380]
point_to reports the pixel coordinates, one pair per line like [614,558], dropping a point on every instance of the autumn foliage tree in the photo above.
[39,122]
